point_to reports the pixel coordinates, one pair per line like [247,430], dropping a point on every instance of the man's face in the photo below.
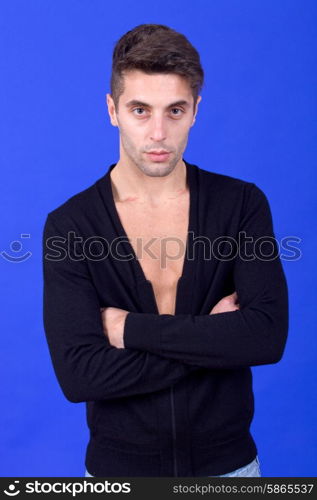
[155,113]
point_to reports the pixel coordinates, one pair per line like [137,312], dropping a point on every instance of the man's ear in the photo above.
[199,98]
[112,110]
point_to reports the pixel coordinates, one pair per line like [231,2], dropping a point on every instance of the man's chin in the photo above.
[157,169]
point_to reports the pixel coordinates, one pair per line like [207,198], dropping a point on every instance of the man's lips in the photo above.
[159,156]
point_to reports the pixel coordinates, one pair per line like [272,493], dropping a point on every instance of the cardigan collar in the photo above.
[185,284]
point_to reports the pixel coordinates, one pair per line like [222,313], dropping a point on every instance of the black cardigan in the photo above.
[178,399]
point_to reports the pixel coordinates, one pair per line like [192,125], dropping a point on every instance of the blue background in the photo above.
[257,121]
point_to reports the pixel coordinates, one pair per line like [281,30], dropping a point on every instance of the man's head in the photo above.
[155,84]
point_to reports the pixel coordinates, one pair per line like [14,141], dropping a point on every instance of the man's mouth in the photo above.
[158,155]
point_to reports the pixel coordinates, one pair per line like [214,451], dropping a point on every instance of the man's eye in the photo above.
[177,109]
[138,109]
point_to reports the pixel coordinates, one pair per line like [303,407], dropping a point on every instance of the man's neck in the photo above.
[131,184]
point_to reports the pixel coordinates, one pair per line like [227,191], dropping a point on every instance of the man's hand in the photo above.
[113,320]
[226,304]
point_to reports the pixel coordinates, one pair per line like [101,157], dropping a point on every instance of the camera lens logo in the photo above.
[12,491]
[16,247]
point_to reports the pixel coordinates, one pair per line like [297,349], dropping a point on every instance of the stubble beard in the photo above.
[148,167]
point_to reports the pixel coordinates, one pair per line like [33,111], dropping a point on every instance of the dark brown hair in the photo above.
[155,48]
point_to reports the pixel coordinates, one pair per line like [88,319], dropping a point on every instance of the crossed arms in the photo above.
[160,350]
[113,318]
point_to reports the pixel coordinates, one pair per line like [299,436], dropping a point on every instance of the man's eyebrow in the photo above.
[135,102]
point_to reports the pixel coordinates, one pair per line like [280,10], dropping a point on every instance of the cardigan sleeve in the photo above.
[253,335]
[87,367]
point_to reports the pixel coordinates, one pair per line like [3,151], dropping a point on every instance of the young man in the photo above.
[163,284]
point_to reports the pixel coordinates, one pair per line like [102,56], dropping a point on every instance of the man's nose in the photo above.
[158,129]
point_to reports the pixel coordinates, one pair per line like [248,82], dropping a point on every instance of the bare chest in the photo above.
[158,238]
